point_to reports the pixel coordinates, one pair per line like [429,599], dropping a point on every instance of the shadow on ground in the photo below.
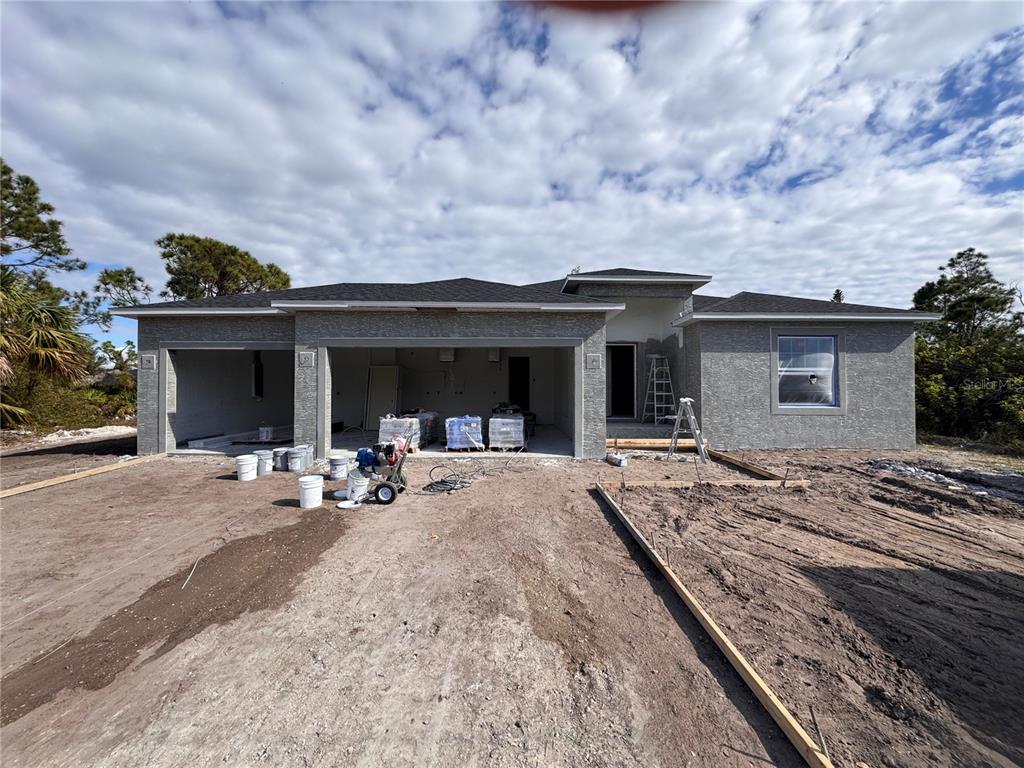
[118,447]
[775,744]
[961,632]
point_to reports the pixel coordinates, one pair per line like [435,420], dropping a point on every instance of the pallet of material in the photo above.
[507,431]
[464,432]
[418,428]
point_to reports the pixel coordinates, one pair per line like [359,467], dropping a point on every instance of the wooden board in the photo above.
[744,465]
[746,483]
[635,442]
[77,476]
[799,738]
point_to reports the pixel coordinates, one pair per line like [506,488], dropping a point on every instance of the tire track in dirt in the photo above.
[253,573]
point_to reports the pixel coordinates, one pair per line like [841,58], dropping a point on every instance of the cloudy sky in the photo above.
[787,147]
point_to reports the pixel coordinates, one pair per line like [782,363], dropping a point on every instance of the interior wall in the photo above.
[564,390]
[349,369]
[471,384]
[213,392]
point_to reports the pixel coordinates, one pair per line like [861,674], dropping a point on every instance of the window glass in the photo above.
[807,370]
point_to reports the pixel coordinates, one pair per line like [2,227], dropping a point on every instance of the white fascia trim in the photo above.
[194,311]
[482,306]
[830,318]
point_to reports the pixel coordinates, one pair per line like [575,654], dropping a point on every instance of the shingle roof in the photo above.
[461,290]
[746,302]
[623,272]
[700,302]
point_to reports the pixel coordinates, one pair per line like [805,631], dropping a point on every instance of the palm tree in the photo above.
[37,338]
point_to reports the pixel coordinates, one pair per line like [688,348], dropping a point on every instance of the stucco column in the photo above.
[591,428]
[148,402]
[306,385]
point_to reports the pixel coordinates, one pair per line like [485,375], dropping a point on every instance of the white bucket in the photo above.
[358,485]
[281,459]
[297,458]
[311,491]
[265,462]
[245,466]
[339,467]
[265,433]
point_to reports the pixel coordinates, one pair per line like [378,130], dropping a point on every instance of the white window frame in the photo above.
[839,404]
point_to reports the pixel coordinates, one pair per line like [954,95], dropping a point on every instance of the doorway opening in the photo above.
[519,381]
[621,381]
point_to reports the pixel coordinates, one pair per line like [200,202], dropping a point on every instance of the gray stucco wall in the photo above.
[876,389]
[620,290]
[689,366]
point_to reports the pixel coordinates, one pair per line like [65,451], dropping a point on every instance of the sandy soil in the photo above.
[506,624]
[890,605]
[512,623]
[30,463]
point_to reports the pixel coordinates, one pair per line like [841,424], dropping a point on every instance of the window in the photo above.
[807,372]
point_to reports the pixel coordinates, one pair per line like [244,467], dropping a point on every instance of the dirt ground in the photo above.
[165,614]
[894,607]
[41,461]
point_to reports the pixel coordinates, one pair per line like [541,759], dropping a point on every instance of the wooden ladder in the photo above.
[686,409]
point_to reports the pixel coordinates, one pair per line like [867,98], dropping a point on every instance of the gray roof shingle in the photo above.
[746,302]
[461,290]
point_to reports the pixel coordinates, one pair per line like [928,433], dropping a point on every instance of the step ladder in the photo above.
[685,410]
[660,403]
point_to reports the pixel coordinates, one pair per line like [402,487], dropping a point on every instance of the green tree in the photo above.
[970,364]
[122,287]
[120,358]
[39,338]
[838,296]
[30,238]
[199,267]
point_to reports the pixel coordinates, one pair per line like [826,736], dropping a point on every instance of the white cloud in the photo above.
[787,147]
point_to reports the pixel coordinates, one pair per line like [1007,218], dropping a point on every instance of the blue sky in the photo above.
[789,148]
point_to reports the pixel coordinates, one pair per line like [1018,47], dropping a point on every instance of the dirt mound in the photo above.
[248,574]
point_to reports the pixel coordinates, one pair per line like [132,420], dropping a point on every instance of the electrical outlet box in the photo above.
[447,354]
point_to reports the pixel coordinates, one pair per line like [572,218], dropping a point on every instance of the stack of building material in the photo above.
[464,432]
[429,425]
[506,431]
[417,429]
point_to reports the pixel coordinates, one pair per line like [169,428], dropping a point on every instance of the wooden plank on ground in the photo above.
[18,489]
[744,465]
[746,483]
[800,739]
[633,442]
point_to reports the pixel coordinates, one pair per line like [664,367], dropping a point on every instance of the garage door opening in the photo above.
[221,398]
[368,383]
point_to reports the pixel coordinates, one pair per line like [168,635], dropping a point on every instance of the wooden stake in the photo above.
[800,739]
[68,478]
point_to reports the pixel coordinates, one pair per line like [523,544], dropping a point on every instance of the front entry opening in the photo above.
[621,378]
[519,382]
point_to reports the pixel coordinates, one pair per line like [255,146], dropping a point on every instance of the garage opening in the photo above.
[223,398]
[371,383]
